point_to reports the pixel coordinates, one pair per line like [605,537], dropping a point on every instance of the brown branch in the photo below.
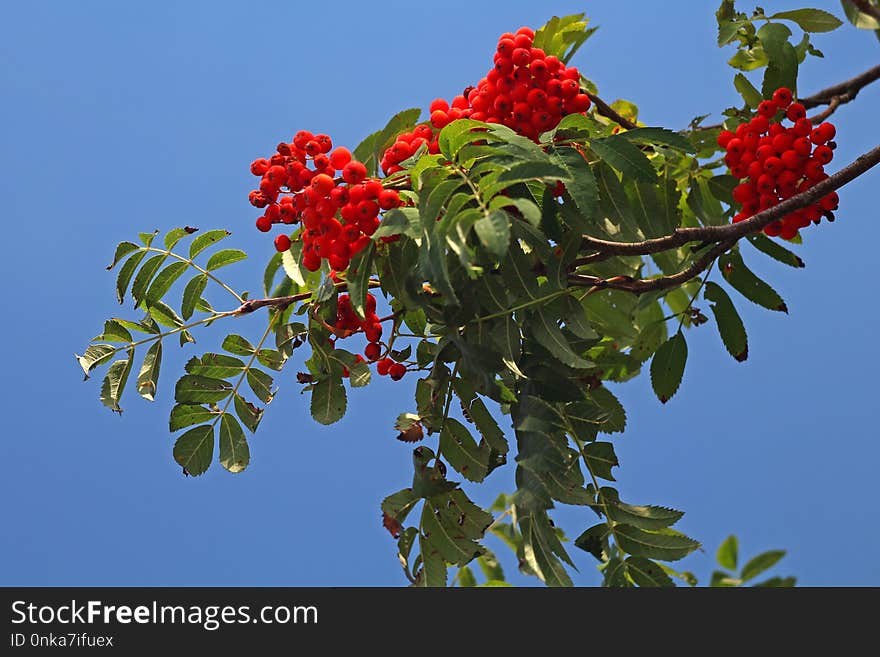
[642,285]
[608,112]
[281,303]
[845,91]
[837,94]
[866,7]
[828,111]
[605,249]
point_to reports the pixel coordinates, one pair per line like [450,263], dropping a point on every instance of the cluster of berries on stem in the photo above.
[775,162]
[338,214]
[527,90]
[348,323]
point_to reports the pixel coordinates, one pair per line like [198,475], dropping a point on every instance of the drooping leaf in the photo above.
[249,414]
[148,377]
[217,366]
[662,136]
[646,573]
[493,231]
[235,344]
[775,250]
[261,384]
[643,517]
[195,449]
[114,382]
[234,451]
[359,278]
[667,367]
[125,273]
[462,452]
[624,156]
[328,400]
[549,336]
[730,325]
[186,415]
[164,280]
[600,458]
[191,295]
[748,284]
[122,250]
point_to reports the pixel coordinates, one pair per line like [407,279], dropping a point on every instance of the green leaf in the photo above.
[234,452]
[532,170]
[643,517]
[600,458]
[594,540]
[195,449]
[95,355]
[810,20]
[173,236]
[777,582]
[164,280]
[193,389]
[616,421]
[487,426]
[147,238]
[125,273]
[858,18]
[551,337]
[225,257]
[122,250]
[114,331]
[775,250]
[261,383]
[665,546]
[148,377]
[192,293]
[730,326]
[759,564]
[249,414]
[582,187]
[205,240]
[163,314]
[539,539]
[727,553]
[145,275]
[667,367]
[451,523]
[186,415]
[782,66]
[398,505]
[328,400]
[748,284]
[462,452]
[662,136]
[235,344]
[747,90]
[215,366]
[621,154]
[359,374]
[493,231]
[271,358]
[114,382]
[370,150]
[491,567]
[646,573]
[359,278]
[518,273]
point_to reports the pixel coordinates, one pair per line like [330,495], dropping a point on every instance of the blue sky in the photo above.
[123,117]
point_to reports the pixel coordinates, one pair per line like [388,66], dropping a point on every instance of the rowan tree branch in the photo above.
[609,112]
[844,91]
[604,249]
[281,303]
[642,285]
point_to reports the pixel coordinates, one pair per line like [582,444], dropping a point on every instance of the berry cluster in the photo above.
[348,323]
[527,90]
[314,196]
[776,162]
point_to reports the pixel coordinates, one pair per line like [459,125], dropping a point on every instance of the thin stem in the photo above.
[608,112]
[690,305]
[246,369]
[527,304]
[188,261]
[159,336]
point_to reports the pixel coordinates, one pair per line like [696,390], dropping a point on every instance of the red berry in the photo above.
[767,108]
[354,172]
[339,157]
[796,111]
[396,371]
[264,224]
[373,351]
[259,167]
[383,366]
[282,243]
[783,97]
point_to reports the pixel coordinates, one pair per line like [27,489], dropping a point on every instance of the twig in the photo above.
[605,249]
[281,303]
[642,285]
[608,112]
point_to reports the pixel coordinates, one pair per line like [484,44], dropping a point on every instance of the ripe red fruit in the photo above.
[264,224]
[796,111]
[339,157]
[783,97]
[388,198]
[383,366]
[354,172]
[767,108]
[259,167]
[373,351]
[396,371]
[282,243]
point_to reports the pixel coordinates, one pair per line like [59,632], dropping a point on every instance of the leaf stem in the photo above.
[192,264]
